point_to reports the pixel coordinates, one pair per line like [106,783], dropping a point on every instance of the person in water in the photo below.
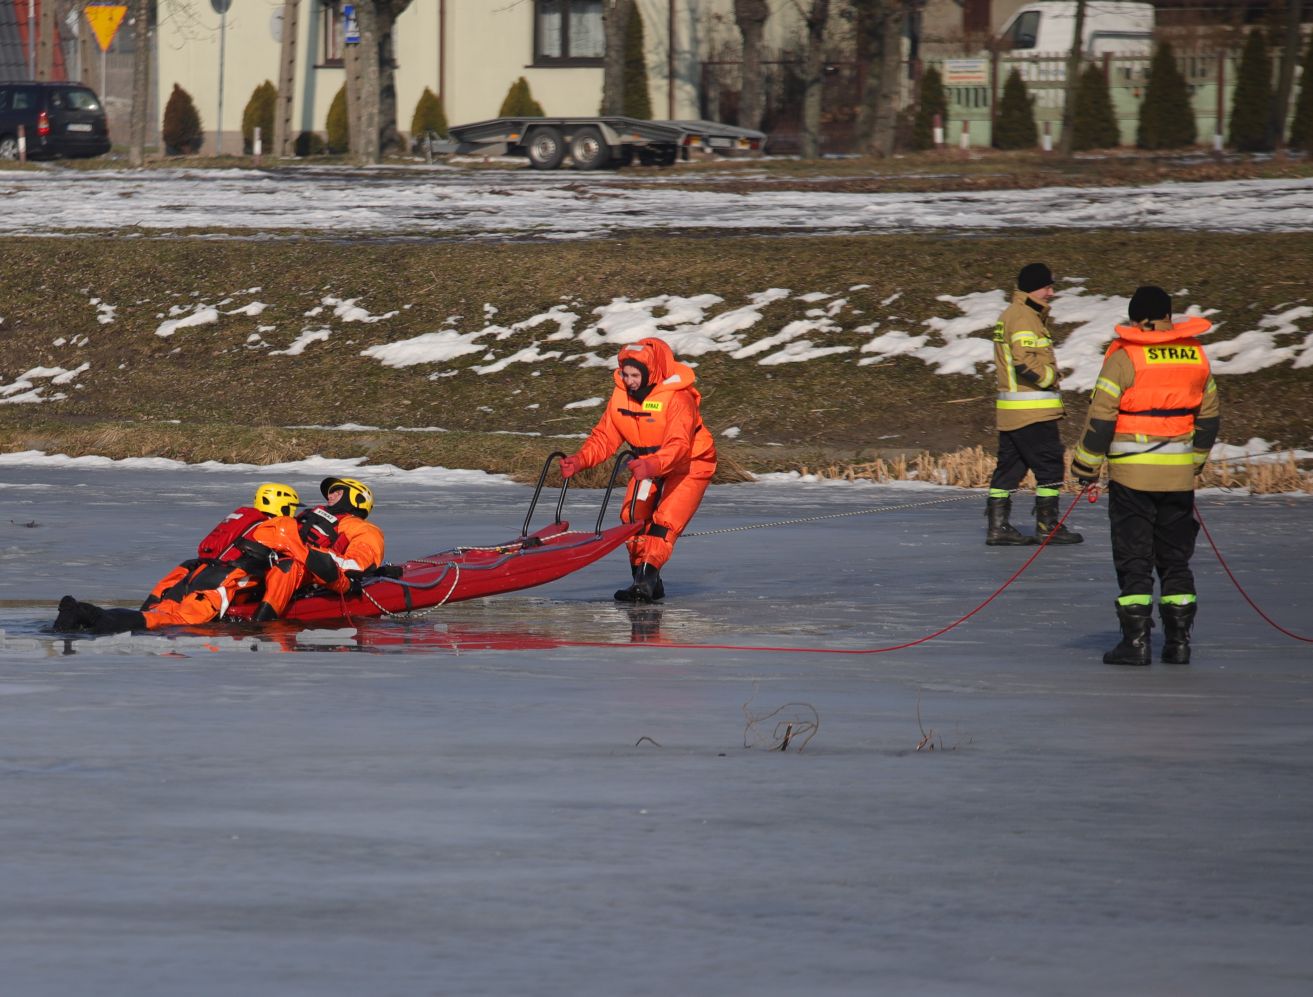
[656,411]
[231,562]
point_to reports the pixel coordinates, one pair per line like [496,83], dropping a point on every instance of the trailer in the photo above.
[598,142]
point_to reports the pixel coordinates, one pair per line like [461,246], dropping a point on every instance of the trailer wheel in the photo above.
[589,150]
[546,148]
[658,155]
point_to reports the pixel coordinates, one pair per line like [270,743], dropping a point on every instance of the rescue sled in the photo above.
[461,573]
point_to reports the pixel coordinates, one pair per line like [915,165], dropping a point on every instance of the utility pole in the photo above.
[283,110]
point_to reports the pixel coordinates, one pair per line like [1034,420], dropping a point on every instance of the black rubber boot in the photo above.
[1001,533]
[1177,621]
[647,586]
[114,621]
[1134,649]
[1046,518]
[264,613]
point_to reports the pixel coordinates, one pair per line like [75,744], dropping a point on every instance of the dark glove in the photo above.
[570,465]
[1085,475]
[644,467]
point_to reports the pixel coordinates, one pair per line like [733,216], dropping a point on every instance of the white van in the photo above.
[1047,26]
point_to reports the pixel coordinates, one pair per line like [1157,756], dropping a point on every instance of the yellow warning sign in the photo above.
[105,20]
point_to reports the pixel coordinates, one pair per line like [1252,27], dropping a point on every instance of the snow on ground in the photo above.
[696,325]
[498,203]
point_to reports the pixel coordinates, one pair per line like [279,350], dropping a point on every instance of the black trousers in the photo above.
[1152,531]
[1036,447]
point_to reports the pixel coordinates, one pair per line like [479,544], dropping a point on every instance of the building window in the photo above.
[331,32]
[568,32]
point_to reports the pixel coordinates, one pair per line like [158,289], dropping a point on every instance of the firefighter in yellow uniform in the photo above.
[1028,409]
[1154,416]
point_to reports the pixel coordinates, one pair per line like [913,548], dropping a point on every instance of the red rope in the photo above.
[1240,588]
[863,650]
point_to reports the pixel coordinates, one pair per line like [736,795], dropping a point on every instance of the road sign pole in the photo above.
[223,40]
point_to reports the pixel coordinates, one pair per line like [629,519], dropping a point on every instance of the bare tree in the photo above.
[371,80]
[1286,75]
[878,32]
[140,82]
[751,15]
[1074,58]
[814,78]
[616,16]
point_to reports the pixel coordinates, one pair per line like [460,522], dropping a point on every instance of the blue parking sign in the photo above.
[350,26]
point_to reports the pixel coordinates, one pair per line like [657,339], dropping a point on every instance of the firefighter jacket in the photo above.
[1154,413]
[665,425]
[1026,368]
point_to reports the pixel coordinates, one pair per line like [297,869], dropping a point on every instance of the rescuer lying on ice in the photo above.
[257,552]
[656,411]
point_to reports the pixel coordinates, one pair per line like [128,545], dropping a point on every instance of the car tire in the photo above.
[589,150]
[546,148]
[8,147]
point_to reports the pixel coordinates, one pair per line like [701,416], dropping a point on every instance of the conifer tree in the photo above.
[1166,117]
[181,129]
[429,116]
[638,102]
[1301,127]
[519,102]
[1015,126]
[1095,124]
[931,100]
[1252,100]
[259,113]
[337,128]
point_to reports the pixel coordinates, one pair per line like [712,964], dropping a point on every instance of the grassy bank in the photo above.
[231,391]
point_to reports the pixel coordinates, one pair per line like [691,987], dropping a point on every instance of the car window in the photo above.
[4,100]
[80,100]
[56,100]
[23,100]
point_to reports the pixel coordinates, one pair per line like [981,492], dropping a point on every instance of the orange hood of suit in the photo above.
[665,424]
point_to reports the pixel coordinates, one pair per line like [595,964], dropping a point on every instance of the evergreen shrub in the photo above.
[1301,127]
[931,100]
[1015,126]
[1166,117]
[181,129]
[337,127]
[1252,100]
[1094,125]
[259,113]
[429,116]
[519,102]
[638,101]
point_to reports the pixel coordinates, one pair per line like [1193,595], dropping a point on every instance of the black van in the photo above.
[59,119]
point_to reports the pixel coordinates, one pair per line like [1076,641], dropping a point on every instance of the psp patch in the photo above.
[1172,354]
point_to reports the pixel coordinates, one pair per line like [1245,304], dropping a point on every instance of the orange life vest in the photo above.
[1171,373]
[219,543]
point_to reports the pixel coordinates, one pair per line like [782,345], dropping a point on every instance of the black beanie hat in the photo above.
[1149,303]
[1033,276]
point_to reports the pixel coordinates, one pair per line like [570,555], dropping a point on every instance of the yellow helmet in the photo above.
[277,499]
[359,496]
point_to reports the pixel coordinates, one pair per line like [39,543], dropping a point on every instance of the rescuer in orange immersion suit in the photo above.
[232,559]
[656,411]
[328,545]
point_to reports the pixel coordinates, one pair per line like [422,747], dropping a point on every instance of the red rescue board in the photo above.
[459,574]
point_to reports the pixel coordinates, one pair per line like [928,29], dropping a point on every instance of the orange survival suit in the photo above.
[326,545]
[661,421]
[231,561]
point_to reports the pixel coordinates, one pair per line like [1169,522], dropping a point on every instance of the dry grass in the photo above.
[973,467]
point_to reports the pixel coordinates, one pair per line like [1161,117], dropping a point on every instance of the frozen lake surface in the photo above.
[505,203]
[463,803]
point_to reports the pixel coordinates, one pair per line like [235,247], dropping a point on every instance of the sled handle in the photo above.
[621,459]
[542,478]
